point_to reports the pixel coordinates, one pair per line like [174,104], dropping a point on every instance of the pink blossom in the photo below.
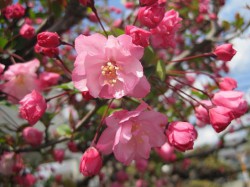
[32,136]
[14,11]
[1,68]
[227,83]
[225,52]
[117,23]
[27,31]
[139,36]
[20,79]
[92,17]
[232,100]
[181,135]
[48,39]
[91,162]
[151,16]
[166,152]
[201,113]
[85,2]
[109,68]
[72,147]
[220,118]
[129,5]
[163,35]
[10,163]
[27,180]
[48,79]
[122,176]
[32,107]
[58,155]
[147,2]
[130,135]
[141,165]
[141,183]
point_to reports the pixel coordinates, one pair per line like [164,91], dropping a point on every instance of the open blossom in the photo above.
[232,100]
[151,16]
[91,162]
[227,83]
[32,136]
[48,39]
[130,135]
[181,135]
[14,11]
[201,113]
[20,79]
[163,35]
[32,107]
[109,68]
[225,52]
[139,36]
[27,31]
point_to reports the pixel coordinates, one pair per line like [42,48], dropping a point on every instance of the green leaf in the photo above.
[148,55]
[66,86]
[160,70]
[64,130]
[3,41]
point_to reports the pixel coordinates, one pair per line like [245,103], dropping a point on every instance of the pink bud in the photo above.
[15,11]
[48,39]
[129,5]
[225,52]
[141,183]
[141,165]
[151,16]
[58,155]
[32,107]
[139,36]
[181,135]
[121,176]
[147,2]
[227,83]
[85,2]
[27,180]
[166,152]
[91,162]
[220,118]
[86,95]
[47,79]
[27,31]
[72,146]
[92,17]
[32,136]
[201,113]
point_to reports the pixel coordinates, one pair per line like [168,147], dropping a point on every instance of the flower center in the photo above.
[109,72]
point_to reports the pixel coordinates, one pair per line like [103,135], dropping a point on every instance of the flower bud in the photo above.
[227,83]
[139,36]
[147,2]
[27,31]
[225,52]
[91,162]
[15,11]
[58,155]
[72,146]
[48,39]
[151,16]
[32,107]
[181,135]
[32,136]
[166,152]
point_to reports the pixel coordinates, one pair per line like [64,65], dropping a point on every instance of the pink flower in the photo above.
[122,176]
[166,152]
[1,68]
[91,162]
[15,11]
[232,100]
[21,79]
[92,17]
[225,52]
[10,163]
[201,113]
[27,31]
[32,107]
[220,118]
[32,136]
[58,155]
[151,16]
[139,36]
[141,165]
[181,135]
[130,135]
[129,5]
[48,39]
[109,68]
[141,183]
[147,2]
[85,2]
[163,35]
[48,79]
[227,83]
[27,180]
[72,147]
